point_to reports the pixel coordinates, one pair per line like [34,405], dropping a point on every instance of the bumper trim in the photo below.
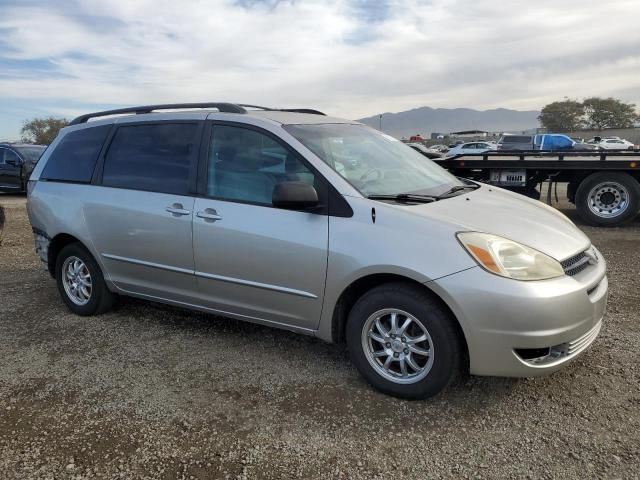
[563,352]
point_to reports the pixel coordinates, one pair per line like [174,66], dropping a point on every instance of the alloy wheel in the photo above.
[76,280]
[398,346]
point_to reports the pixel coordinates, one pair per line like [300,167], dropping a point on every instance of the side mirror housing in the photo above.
[294,196]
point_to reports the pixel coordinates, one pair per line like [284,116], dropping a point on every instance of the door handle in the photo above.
[177,210]
[209,215]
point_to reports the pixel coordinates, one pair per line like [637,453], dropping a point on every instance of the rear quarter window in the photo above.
[516,139]
[74,158]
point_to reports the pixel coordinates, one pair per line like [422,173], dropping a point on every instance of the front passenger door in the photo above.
[252,260]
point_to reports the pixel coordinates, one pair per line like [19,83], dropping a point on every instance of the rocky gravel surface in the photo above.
[149,391]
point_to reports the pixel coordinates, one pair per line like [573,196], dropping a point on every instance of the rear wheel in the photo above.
[608,199]
[403,341]
[80,281]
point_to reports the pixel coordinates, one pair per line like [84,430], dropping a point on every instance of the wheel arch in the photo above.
[57,243]
[360,286]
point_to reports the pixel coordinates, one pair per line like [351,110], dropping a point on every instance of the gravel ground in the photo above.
[149,391]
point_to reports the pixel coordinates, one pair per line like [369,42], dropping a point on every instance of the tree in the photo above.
[565,116]
[42,131]
[609,113]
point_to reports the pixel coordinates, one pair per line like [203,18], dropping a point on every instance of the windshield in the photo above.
[374,163]
[31,153]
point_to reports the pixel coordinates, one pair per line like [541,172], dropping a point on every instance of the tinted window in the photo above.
[75,156]
[152,157]
[245,165]
[517,139]
[10,155]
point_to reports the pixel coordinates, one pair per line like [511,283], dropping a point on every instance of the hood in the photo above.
[500,212]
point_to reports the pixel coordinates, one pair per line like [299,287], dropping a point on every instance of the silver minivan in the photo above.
[323,226]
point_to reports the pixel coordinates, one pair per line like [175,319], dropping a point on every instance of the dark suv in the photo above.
[16,164]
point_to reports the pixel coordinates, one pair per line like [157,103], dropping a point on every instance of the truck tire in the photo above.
[608,199]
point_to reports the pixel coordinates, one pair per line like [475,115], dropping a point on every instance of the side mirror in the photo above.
[294,196]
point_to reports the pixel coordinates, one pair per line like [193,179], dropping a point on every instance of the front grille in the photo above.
[576,264]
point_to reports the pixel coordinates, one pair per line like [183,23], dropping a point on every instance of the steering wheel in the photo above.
[379,175]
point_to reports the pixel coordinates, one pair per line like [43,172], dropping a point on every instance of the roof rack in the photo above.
[291,110]
[222,107]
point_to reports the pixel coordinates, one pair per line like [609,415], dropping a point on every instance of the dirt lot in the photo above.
[154,392]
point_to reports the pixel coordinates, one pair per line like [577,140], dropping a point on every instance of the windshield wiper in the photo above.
[405,197]
[458,188]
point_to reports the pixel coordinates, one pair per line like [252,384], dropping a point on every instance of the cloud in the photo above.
[350,57]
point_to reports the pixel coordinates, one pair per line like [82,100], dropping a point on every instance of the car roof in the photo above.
[204,110]
[293,118]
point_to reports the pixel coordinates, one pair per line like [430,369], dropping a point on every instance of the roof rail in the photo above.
[292,110]
[302,110]
[222,107]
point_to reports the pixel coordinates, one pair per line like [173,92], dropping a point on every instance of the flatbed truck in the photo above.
[604,185]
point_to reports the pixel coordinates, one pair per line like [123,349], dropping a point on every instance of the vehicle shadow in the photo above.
[299,349]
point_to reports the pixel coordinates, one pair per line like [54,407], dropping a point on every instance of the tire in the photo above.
[607,199]
[99,299]
[426,314]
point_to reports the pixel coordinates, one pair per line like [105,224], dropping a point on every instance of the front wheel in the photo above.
[403,341]
[607,199]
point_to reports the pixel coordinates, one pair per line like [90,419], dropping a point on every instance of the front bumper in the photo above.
[525,329]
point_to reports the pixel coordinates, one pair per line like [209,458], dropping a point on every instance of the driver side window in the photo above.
[245,165]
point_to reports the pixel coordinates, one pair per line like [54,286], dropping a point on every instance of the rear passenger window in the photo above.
[156,157]
[75,157]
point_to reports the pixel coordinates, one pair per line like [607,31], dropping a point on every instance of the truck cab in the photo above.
[552,142]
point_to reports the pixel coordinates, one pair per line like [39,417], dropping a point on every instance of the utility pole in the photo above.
[380,118]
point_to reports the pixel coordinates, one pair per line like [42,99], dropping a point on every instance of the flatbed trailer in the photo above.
[605,186]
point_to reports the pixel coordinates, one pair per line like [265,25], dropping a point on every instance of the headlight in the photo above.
[509,259]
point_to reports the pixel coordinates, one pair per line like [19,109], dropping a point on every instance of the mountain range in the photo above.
[427,120]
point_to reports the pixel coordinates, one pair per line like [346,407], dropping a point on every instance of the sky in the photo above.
[349,58]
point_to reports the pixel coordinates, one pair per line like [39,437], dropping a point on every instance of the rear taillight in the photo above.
[30,186]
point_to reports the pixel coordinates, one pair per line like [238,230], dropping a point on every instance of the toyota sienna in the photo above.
[322,226]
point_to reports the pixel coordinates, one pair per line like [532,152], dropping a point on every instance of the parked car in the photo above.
[427,152]
[552,142]
[247,213]
[471,147]
[439,148]
[17,160]
[612,143]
